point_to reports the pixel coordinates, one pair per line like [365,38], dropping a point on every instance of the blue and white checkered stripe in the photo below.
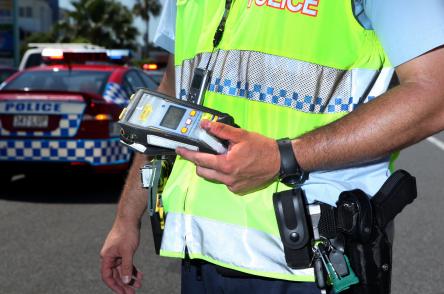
[68,127]
[94,152]
[278,97]
[271,79]
[114,93]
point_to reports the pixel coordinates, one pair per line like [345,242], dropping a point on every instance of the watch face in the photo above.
[295,180]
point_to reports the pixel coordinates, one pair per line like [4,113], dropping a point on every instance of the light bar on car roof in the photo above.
[150,66]
[79,56]
[117,54]
[52,53]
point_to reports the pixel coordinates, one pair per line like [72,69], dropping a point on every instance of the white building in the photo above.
[34,16]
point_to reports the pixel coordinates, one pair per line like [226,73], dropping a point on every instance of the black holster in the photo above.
[372,263]
[367,225]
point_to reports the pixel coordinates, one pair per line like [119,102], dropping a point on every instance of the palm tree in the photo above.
[143,9]
[103,22]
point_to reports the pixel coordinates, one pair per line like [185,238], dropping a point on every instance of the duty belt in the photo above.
[320,236]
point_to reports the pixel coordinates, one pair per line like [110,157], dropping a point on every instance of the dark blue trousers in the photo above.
[203,278]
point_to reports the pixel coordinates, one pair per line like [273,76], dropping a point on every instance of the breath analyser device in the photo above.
[155,124]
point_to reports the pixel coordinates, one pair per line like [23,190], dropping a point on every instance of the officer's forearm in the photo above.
[401,117]
[133,200]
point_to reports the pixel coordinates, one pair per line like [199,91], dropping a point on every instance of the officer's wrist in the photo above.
[291,172]
[126,221]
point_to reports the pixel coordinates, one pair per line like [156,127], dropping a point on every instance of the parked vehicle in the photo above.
[66,114]
[33,55]
[154,71]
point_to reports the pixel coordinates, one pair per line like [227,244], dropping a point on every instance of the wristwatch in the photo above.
[290,173]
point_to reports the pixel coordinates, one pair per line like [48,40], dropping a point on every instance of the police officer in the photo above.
[316,72]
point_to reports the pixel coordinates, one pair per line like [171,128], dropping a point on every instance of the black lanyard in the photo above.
[221,28]
[202,77]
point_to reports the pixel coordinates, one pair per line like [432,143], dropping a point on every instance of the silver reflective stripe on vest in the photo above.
[282,81]
[248,249]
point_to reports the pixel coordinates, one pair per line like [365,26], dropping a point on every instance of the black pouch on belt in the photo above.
[294,227]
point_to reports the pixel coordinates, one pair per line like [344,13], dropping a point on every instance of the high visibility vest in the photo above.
[283,68]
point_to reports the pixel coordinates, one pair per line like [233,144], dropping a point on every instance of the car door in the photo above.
[149,82]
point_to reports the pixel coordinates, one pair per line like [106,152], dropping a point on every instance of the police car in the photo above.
[66,113]
[154,71]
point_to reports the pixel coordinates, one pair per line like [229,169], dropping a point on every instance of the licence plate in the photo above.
[30,121]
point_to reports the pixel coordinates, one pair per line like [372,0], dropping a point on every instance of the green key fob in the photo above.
[343,283]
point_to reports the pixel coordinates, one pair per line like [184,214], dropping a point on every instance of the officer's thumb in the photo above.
[127,268]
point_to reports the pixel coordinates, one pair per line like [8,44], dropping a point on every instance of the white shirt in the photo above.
[406,28]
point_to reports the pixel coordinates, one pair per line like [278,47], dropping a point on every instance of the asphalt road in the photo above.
[52,229]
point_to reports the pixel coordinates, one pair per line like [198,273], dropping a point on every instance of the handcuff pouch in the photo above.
[294,227]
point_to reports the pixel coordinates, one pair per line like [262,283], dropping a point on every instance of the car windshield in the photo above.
[5,73]
[60,80]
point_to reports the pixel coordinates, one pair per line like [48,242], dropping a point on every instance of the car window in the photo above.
[156,75]
[134,80]
[127,87]
[149,82]
[63,80]
[34,59]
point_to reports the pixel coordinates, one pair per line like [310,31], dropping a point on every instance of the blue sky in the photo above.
[138,22]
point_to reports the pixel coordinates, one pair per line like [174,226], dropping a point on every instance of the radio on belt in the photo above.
[155,124]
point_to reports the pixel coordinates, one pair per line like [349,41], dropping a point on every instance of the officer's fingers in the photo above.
[114,284]
[108,275]
[224,131]
[118,278]
[235,186]
[214,176]
[138,275]
[126,270]
[199,158]
[127,288]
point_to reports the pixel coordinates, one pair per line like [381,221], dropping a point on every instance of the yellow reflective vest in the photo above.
[283,68]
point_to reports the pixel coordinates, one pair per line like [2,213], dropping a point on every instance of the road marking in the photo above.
[438,143]
[18,177]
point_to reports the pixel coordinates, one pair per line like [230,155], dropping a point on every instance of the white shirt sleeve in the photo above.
[407,28]
[166,31]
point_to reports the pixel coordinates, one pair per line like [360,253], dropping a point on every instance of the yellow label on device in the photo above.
[207,116]
[147,109]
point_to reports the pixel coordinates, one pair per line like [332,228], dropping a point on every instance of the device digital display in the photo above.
[172,117]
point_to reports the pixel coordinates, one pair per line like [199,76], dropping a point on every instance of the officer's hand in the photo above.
[252,160]
[117,269]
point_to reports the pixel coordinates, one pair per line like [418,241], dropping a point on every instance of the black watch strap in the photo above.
[290,173]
